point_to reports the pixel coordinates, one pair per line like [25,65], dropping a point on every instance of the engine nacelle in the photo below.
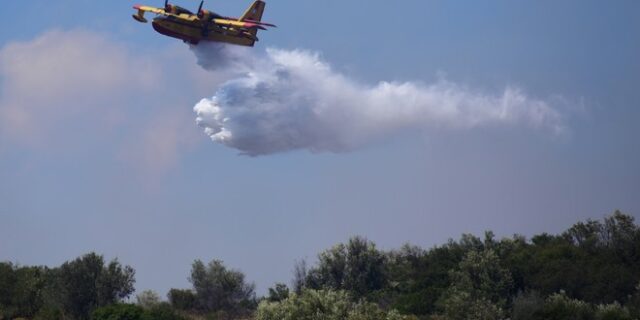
[173,9]
[205,15]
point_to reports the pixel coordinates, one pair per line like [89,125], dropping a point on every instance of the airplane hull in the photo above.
[193,33]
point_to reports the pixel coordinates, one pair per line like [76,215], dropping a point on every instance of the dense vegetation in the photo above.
[590,271]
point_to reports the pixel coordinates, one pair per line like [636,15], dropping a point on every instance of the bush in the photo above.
[148,299]
[527,305]
[612,311]
[48,313]
[634,303]
[119,312]
[560,307]
[323,305]
[163,311]
[182,299]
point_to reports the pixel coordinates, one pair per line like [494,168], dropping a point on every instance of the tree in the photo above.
[148,299]
[21,290]
[357,267]
[86,283]
[182,299]
[220,289]
[596,262]
[479,289]
[7,284]
[299,276]
[418,278]
[278,293]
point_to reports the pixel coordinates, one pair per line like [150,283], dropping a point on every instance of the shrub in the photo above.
[148,299]
[527,305]
[560,307]
[613,311]
[182,299]
[163,311]
[118,312]
[323,305]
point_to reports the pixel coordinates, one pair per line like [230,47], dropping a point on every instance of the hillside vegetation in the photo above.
[590,271]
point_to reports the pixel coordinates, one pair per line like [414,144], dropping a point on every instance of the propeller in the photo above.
[200,7]
[205,25]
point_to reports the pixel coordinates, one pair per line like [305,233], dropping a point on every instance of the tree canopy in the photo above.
[73,290]
[590,271]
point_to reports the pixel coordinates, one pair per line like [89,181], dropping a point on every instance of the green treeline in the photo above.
[590,271]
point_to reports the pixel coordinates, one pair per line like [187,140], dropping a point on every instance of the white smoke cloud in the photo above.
[289,100]
[215,56]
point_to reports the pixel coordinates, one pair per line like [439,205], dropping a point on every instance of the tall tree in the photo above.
[480,288]
[87,283]
[21,290]
[357,267]
[220,289]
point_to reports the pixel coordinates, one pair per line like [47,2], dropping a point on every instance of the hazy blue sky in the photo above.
[99,150]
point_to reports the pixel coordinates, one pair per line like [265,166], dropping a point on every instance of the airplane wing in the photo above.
[150,9]
[192,18]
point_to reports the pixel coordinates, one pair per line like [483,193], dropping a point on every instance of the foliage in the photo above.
[559,307]
[590,271]
[161,311]
[49,313]
[21,290]
[634,303]
[299,276]
[612,311]
[357,267]
[527,305]
[595,262]
[87,283]
[461,305]
[323,305]
[72,290]
[182,299]
[278,293]
[218,288]
[478,289]
[148,299]
[119,312]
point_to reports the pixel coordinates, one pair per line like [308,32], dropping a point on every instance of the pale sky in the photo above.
[100,151]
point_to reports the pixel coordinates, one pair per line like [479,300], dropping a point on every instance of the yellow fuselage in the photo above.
[194,32]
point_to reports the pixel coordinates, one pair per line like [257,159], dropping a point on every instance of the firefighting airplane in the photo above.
[177,22]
